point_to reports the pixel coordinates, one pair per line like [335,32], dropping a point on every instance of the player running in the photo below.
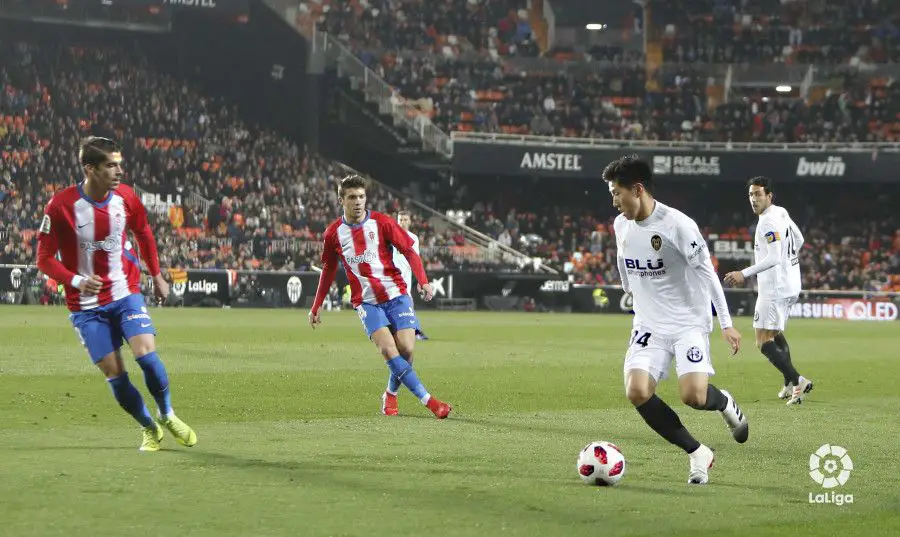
[364,240]
[777,269]
[405,220]
[87,224]
[664,263]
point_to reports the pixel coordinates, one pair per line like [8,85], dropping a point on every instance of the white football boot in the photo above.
[735,419]
[786,391]
[701,461]
[800,390]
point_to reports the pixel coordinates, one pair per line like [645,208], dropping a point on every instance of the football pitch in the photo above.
[291,441]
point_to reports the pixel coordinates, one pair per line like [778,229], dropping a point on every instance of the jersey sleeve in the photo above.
[620,258]
[692,245]
[774,242]
[48,246]
[401,240]
[329,268]
[143,234]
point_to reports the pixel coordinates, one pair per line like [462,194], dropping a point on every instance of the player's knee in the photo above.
[694,398]
[389,351]
[638,395]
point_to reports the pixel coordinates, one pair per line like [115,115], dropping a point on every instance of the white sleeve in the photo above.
[415,240]
[773,246]
[620,260]
[692,245]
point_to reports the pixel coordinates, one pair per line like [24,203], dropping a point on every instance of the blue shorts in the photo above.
[397,314]
[102,329]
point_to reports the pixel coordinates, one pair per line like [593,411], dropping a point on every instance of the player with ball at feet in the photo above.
[664,263]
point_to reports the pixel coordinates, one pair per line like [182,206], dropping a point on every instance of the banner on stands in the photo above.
[588,161]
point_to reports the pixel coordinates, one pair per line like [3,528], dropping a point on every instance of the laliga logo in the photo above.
[830,466]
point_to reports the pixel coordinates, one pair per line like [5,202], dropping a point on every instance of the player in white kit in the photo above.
[405,220]
[665,264]
[776,266]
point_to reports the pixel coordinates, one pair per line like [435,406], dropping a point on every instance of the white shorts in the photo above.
[654,353]
[772,313]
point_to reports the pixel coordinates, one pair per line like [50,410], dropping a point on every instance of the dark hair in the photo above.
[761,180]
[351,181]
[629,171]
[403,212]
[95,150]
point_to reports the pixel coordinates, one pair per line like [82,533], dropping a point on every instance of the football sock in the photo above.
[781,361]
[130,399]
[393,384]
[715,399]
[157,381]
[401,369]
[782,343]
[662,419]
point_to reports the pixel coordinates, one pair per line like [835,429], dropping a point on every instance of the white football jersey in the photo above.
[401,263]
[776,254]
[664,262]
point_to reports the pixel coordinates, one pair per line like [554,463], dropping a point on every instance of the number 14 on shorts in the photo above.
[637,338]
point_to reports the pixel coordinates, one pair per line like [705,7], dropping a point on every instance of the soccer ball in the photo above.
[601,464]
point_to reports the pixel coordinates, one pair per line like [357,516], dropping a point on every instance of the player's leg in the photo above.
[96,334]
[373,319]
[387,345]
[768,321]
[646,363]
[137,327]
[693,364]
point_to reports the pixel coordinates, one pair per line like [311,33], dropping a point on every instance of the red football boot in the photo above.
[389,404]
[440,409]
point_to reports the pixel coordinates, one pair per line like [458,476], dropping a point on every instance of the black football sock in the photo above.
[780,360]
[662,419]
[715,399]
[781,341]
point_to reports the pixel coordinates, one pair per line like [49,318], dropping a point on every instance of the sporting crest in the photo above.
[656,242]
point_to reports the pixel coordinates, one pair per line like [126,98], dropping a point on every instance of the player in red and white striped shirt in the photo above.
[87,225]
[365,242]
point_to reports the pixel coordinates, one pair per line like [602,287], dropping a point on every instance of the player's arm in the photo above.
[620,263]
[48,246]
[143,234]
[401,240]
[693,246]
[772,256]
[326,278]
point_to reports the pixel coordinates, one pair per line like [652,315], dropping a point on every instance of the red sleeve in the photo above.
[401,240]
[140,226]
[48,245]
[329,269]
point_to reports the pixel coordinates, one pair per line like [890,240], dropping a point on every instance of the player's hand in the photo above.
[733,337]
[160,288]
[91,285]
[314,319]
[735,278]
[426,292]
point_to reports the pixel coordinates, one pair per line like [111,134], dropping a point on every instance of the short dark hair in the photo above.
[403,212]
[352,181]
[761,180]
[95,150]
[629,171]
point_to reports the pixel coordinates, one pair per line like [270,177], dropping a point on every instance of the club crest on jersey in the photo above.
[372,235]
[656,242]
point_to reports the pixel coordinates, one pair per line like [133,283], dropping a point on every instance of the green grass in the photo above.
[291,442]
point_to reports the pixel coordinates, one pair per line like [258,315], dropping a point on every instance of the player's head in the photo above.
[101,160]
[630,184]
[404,219]
[352,192]
[761,193]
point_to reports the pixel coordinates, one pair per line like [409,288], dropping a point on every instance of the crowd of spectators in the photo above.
[226,194]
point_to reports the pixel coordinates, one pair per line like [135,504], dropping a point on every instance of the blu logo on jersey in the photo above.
[636,264]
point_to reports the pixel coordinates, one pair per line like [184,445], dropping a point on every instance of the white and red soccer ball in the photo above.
[601,464]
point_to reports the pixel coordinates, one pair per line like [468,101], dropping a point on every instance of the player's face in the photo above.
[354,202]
[627,200]
[759,200]
[405,221]
[108,174]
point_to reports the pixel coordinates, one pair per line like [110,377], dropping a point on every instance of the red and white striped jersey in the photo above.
[91,238]
[367,252]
